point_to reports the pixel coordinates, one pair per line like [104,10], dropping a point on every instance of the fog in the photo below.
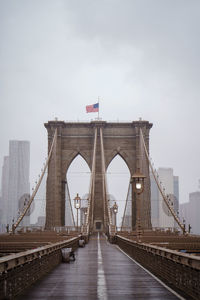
[140,57]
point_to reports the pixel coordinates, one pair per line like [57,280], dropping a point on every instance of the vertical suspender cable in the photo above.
[129,189]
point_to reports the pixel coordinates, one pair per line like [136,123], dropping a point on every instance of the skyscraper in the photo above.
[15,180]
[176,195]
[189,211]
[160,215]
[154,202]
[4,188]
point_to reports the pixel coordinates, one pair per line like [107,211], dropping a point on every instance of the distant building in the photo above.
[189,212]
[2,227]
[5,188]
[160,215]
[15,181]
[127,222]
[176,196]
[40,221]
[154,203]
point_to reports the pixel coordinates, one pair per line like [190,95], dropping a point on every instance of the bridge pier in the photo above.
[78,139]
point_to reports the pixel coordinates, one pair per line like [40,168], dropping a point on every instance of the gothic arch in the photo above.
[124,155]
[68,158]
[118,174]
[78,177]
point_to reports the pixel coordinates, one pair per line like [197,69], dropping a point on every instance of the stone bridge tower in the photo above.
[74,138]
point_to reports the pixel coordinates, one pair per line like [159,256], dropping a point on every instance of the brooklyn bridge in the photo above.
[133,261]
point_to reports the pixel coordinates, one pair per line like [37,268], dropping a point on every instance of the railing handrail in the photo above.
[10,261]
[182,258]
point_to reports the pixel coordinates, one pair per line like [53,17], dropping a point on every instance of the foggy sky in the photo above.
[141,57]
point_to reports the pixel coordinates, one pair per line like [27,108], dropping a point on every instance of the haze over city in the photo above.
[140,57]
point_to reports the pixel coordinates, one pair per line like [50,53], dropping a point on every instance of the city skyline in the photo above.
[114,179]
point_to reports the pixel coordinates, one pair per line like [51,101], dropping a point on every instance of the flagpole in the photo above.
[98,106]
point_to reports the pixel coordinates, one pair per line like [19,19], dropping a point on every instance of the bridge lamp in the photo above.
[137,180]
[77,205]
[115,210]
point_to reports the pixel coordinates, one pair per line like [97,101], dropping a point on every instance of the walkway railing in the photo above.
[179,270]
[19,271]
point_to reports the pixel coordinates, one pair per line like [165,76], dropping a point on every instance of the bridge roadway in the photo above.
[101,271]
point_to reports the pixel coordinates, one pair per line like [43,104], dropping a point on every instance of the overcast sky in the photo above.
[141,57]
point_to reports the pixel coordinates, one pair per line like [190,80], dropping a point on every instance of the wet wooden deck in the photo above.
[101,271]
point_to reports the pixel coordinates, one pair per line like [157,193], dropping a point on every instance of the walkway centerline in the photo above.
[101,283]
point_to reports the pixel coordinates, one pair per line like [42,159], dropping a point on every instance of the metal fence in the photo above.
[20,271]
[178,270]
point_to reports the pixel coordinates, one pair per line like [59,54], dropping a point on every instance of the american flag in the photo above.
[92,108]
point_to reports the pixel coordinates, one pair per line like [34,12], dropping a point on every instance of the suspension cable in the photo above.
[91,189]
[70,203]
[105,188]
[127,197]
[173,213]
[20,218]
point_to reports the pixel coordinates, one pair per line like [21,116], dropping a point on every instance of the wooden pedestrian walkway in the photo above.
[101,271]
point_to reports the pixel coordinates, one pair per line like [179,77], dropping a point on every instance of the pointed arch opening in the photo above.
[78,180]
[118,179]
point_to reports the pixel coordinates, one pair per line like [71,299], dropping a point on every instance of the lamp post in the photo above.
[13,226]
[137,181]
[183,226]
[115,210]
[77,205]
[85,213]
